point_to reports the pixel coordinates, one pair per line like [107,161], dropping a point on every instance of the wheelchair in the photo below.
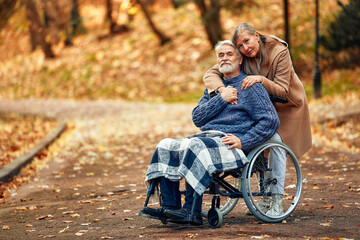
[252,182]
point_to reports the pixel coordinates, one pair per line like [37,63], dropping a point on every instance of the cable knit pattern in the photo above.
[254,119]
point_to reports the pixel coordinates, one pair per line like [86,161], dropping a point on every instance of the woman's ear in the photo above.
[257,35]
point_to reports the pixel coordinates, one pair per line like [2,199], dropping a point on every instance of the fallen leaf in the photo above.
[103,208]
[328,207]
[325,224]
[190,235]
[63,230]
[47,217]
[68,212]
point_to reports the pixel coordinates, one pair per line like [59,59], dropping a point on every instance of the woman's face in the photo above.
[248,44]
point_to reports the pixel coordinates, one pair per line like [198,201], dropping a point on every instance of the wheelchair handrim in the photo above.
[299,179]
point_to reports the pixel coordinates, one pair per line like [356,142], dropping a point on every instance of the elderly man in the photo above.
[232,124]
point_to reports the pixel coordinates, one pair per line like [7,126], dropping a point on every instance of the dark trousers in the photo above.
[171,196]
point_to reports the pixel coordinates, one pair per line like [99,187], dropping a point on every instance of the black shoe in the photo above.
[157,212]
[183,215]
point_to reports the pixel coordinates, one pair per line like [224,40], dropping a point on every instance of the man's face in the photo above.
[228,60]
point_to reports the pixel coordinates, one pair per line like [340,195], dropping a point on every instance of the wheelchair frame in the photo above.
[255,184]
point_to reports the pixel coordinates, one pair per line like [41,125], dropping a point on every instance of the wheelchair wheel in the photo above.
[259,181]
[215,218]
[227,204]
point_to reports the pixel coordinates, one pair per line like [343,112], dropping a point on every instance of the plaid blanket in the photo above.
[194,158]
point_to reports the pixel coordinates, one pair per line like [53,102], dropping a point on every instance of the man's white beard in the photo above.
[225,68]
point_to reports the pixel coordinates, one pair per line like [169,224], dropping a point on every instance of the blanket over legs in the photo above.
[194,158]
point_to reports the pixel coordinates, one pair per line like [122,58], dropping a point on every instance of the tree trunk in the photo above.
[114,27]
[76,20]
[109,18]
[75,23]
[108,11]
[163,38]
[7,9]
[211,20]
[37,33]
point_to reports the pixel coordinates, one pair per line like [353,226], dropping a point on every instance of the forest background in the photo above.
[121,57]
[157,51]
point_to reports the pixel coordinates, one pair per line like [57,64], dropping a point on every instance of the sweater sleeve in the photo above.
[212,79]
[261,110]
[207,108]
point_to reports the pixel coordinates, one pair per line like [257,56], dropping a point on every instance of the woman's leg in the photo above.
[278,165]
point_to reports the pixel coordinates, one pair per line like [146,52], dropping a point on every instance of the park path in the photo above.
[92,186]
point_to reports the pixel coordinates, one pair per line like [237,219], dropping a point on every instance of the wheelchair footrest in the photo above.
[142,214]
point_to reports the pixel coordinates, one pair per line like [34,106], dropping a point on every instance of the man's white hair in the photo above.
[226,42]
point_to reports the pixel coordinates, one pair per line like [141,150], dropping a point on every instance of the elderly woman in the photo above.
[267,61]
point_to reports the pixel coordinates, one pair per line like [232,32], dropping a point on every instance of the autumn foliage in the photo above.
[134,66]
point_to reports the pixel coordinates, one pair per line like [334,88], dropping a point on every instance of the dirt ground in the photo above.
[92,185]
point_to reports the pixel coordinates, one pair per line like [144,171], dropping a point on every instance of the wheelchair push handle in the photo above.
[275,98]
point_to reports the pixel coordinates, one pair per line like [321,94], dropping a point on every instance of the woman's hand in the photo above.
[251,80]
[229,94]
[232,140]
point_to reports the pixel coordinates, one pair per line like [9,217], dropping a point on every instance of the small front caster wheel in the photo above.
[215,217]
[164,222]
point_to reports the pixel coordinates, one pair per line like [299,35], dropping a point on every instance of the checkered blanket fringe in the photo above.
[194,158]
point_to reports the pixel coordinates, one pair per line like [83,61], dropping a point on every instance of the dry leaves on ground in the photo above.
[19,134]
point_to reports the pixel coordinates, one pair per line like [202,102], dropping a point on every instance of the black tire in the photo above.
[254,187]
[215,218]
[226,204]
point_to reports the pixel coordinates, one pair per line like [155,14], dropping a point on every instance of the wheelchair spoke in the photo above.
[261,182]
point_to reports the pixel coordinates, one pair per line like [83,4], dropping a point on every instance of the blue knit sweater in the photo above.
[253,119]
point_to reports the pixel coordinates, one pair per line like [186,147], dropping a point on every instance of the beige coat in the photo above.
[279,78]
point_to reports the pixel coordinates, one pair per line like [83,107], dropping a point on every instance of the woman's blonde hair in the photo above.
[245,27]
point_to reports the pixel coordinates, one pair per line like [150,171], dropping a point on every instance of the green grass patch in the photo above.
[335,86]
[187,97]
[65,76]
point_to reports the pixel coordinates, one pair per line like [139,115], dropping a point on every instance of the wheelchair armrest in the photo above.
[275,98]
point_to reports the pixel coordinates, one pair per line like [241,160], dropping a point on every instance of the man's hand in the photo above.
[232,140]
[229,94]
